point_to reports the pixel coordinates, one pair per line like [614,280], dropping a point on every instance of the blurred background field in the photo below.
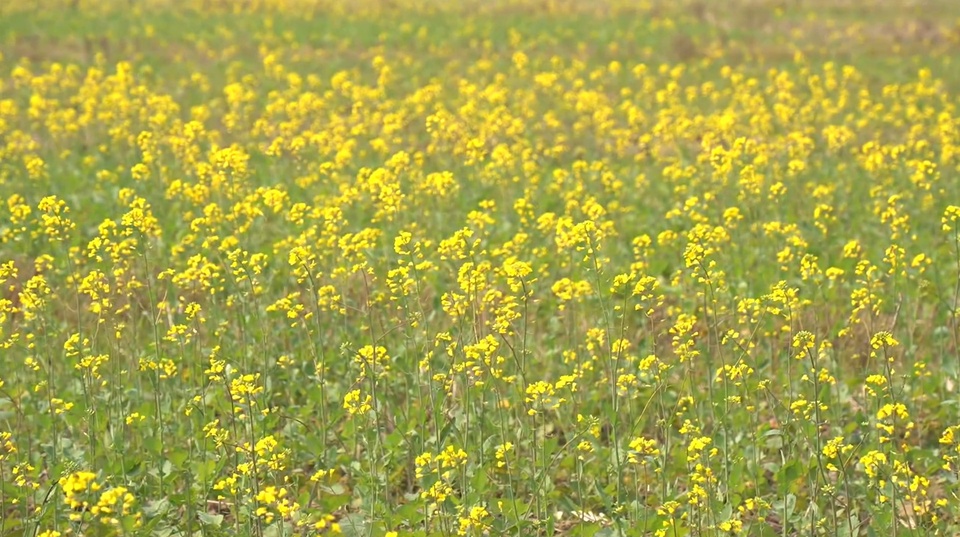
[520,267]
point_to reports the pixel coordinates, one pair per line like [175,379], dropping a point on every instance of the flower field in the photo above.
[522,267]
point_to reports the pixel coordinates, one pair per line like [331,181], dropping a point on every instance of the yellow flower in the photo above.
[872,463]
[883,339]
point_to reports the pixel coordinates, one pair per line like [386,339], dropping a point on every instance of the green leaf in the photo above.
[789,473]
[790,502]
[354,525]
[157,508]
[587,530]
[177,458]
[445,431]
[209,519]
